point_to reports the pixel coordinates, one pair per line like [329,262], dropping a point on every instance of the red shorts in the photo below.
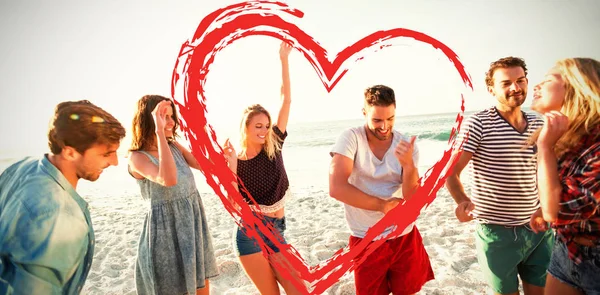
[399,266]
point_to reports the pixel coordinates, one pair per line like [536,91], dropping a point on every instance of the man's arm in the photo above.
[410,182]
[470,134]
[407,154]
[453,183]
[341,190]
[457,190]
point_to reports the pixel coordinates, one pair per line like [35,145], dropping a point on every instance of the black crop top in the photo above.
[265,179]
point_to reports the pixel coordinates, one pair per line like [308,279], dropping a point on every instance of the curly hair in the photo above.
[380,95]
[503,63]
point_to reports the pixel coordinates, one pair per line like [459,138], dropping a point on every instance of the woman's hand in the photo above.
[230,155]
[555,125]
[159,116]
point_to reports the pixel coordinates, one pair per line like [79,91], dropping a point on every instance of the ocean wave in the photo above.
[441,136]
[435,135]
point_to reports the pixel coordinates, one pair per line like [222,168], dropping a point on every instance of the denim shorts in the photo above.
[585,276]
[246,245]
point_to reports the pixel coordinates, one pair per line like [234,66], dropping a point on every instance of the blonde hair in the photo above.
[582,101]
[272,142]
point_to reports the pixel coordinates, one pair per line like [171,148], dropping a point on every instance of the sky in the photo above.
[114,52]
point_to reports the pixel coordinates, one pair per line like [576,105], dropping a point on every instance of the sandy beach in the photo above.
[434,54]
[316,228]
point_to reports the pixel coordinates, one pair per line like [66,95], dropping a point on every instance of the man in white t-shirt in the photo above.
[373,169]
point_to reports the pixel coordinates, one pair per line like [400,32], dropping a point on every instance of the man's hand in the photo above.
[537,222]
[390,204]
[404,152]
[464,211]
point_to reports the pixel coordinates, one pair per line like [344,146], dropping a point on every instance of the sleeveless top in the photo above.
[186,185]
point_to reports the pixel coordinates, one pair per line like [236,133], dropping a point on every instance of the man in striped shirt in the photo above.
[504,196]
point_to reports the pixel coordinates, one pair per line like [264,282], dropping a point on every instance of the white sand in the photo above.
[316,227]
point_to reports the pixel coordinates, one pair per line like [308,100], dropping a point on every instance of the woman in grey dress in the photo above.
[175,253]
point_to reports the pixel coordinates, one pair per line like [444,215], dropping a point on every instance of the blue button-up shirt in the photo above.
[46,234]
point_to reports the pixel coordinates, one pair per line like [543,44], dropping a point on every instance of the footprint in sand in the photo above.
[322,255]
[111,273]
[229,268]
[447,232]
[342,235]
[118,266]
[464,264]
[336,245]
[302,200]
[345,289]
[221,246]
[222,252]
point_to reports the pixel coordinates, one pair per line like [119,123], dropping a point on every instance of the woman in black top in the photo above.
[259,166]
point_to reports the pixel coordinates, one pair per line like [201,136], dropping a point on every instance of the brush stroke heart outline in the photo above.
[218,30]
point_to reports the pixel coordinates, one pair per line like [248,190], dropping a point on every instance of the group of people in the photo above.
[535,192]
[530,174]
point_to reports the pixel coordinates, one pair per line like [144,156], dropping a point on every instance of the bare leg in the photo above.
[529,289]
[205,290]
[259,271]
[288,286]
[556,287]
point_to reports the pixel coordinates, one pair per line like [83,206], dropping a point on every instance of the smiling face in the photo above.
[257,129]
[143,127]
[169,122]
[549,95]
[509,86]
[94,160]
[380,120]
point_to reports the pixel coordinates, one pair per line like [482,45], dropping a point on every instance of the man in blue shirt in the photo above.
[46,234]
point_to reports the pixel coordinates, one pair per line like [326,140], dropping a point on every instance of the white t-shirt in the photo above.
[379,178]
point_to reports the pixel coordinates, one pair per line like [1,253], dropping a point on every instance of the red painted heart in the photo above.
[224,26]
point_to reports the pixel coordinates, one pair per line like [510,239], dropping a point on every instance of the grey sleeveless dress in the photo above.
[175,253]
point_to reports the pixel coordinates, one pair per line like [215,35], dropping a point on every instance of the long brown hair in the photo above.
[143,127]
[272,144]
[582,101]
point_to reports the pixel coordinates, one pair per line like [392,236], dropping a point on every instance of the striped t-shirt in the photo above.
[503,168]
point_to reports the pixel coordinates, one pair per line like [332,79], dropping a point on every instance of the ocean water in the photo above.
[306,150]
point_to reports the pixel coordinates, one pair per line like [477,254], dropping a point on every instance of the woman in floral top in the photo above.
[569,173]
